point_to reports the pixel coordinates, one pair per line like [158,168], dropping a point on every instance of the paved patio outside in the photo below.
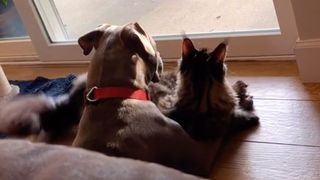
[168,16]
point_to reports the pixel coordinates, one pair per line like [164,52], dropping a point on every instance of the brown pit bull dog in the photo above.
[118,118]
[22,160]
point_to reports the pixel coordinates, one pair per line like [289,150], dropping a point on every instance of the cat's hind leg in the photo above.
[244,116]
[245,99]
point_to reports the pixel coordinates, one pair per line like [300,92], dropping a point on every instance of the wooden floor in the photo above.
[287,143]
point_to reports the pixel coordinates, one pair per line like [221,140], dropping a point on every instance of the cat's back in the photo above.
[222,97]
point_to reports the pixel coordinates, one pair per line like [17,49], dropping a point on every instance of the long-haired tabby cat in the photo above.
[200,98]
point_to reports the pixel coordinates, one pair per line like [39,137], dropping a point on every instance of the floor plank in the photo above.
[244,160]
[288,122]
[262,68]
[279,87]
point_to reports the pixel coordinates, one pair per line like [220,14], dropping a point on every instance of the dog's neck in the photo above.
[96,94]
[121,71]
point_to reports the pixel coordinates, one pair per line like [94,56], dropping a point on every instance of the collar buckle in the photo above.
[90,96]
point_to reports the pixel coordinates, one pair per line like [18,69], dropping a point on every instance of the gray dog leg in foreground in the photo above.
[23,160]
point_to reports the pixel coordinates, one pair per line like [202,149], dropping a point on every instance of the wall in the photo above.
[307,15]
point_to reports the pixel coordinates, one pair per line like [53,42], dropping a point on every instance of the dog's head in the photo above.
[123,53]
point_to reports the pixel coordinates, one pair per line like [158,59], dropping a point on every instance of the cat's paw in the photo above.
[253,120]
[243,120]
[2,136]
[246,103]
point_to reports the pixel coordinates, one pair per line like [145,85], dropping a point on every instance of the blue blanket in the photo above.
[51,87]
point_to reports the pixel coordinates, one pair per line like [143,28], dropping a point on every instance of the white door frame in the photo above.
[17,50]
[241,44]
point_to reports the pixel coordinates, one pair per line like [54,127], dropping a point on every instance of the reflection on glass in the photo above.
[11,26]
[163,17]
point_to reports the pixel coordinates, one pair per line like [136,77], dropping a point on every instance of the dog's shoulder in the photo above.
[146,114]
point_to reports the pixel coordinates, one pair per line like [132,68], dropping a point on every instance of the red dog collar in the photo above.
[96,94]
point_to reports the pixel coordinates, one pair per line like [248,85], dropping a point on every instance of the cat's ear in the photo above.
[187,48]
[219,54]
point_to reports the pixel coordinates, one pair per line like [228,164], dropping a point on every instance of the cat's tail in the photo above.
[68,109]
[20,116]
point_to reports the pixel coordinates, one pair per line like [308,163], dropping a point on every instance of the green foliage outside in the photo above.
[4,2]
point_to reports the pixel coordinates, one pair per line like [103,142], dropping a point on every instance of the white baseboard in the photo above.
[289,57]
[308,60]
[44,63]
[21,58]
[310,43]
[29,60]
[34,60]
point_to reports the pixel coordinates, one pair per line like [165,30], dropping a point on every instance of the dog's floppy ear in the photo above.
[135,39]
[219,54]
[139,29]
[156,77]
[90,40]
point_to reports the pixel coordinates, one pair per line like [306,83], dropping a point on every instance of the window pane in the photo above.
[159,17]
[11,26]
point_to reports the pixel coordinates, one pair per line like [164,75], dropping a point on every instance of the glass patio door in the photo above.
[252,27]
